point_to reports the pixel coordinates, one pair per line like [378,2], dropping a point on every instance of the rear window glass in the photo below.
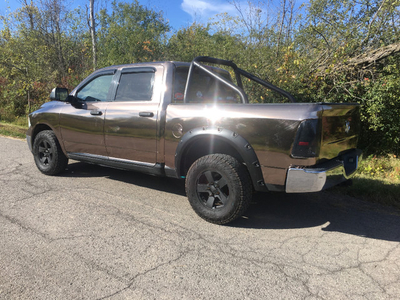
[203,88]
[135,87]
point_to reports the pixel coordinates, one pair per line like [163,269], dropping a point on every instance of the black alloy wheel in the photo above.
[219,188]
[49,158]
[213,190]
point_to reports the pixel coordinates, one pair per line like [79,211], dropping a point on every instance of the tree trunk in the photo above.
[281,27]
[92,27]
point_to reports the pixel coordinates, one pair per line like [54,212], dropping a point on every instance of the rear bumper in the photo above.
[323,176]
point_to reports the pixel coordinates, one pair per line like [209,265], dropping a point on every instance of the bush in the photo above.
[381,114]
[386,167]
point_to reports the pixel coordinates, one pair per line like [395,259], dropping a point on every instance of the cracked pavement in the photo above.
[98,233]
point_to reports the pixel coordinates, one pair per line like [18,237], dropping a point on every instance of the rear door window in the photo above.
[135,86]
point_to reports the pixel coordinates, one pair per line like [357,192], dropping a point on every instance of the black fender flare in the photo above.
[233,139]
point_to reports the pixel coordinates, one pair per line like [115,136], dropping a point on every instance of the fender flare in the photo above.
[233,139]
[33,132]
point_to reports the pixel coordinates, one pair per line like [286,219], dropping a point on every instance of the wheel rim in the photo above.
[212,189]
[45,153]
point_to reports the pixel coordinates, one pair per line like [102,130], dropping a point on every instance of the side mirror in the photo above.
[60,94]
[74,102]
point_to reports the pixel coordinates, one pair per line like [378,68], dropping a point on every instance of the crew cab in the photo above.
[195,121]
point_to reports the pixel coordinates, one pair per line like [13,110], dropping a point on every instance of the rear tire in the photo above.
[49,157]
[219,188]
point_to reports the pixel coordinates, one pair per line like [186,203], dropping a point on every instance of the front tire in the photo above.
[49,158]
[219,188]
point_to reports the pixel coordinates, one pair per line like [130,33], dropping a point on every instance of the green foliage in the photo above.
[37,54]
[334,43]
[381,112]
[197,40]
[190,42]
[131,33]
[309,55]
[383,168]
[378,181]
[13,130]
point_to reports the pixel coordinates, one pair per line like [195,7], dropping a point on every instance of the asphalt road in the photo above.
[99,233]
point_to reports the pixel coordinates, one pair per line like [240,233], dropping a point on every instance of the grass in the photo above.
[13,130]
[378,181]
[378,178]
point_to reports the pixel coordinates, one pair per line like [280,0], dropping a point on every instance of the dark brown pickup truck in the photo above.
[191,121]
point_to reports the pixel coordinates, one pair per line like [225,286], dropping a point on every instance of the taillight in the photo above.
[306,143]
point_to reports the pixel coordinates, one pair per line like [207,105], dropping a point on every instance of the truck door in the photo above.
[82,126]
[131,119]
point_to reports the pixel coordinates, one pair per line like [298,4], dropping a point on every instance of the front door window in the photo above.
[96,90]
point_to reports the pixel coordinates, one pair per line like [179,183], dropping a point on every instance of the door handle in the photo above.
[146,114]
[96,112]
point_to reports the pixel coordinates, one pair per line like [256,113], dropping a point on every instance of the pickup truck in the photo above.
[195,121]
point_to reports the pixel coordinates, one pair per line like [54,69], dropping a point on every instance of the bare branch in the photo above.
[321,34]
[362,61]
[373,20]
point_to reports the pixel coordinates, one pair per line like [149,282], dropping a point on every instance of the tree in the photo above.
[351,50]
[92,28]
[37,54]
[131,33]
[187,43]
[343,29]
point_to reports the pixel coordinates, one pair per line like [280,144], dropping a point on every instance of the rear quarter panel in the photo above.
[269,128]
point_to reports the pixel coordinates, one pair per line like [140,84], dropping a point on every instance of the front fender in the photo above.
[231,138]
[45,118]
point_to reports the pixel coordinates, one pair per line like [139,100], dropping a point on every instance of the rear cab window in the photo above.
[204,88]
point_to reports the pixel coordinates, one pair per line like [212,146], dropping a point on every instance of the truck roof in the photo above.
[176,63]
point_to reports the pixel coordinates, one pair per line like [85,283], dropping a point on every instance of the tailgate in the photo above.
[340,128]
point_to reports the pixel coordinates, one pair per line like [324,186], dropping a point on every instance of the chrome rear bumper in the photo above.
[323,176]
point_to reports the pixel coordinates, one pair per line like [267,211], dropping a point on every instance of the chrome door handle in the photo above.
[96,112]
[146,114]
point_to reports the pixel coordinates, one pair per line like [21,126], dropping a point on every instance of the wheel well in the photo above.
[204,146]
[39,128]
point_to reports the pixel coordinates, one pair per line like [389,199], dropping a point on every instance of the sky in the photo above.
[180,13]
